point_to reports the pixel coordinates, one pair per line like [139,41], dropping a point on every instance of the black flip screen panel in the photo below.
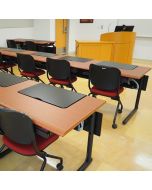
[52,95]
[117,65]
[49,55]
[78,59]
[9,80]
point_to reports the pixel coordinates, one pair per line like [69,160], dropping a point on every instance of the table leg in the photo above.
[130,115]
[88,159]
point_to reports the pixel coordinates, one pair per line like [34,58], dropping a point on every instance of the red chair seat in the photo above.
[62,82]
[42,143]
[96,91]
[6,65]
[37,72]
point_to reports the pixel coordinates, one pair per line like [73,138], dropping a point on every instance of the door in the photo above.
[61,35]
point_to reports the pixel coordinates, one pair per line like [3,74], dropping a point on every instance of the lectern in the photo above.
[113,46]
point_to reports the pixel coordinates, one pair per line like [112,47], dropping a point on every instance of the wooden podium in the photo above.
[113,46]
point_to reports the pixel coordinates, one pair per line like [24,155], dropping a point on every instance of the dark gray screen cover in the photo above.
[9,80]
[52,95]
[79,59]
[117,65]
[44,54]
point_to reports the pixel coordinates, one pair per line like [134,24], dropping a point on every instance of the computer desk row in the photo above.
[133,79]
[50,117]
[38,42]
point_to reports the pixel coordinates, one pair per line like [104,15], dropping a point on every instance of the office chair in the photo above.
[106,82]
[60,73]
[11,44]
[29,45]
[19,135]
[5,65]
[27,68]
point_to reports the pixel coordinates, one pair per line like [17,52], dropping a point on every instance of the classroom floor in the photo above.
[129,147]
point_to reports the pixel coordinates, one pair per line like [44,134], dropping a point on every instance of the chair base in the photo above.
[59,166]
[36,78]
[4,152]
[119,108]
[8,71]
[114,126]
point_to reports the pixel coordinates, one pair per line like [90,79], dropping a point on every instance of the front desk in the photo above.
[113,46]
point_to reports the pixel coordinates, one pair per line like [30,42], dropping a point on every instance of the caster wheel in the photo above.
[114,126]
[119,111]
[59,167]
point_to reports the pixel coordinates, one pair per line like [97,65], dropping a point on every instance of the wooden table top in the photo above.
[35,41]
[136,73]
[13,53]
[58,120]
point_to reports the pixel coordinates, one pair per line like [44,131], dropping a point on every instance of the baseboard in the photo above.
[146,61]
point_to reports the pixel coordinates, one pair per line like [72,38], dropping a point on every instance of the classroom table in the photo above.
[38,42]
[137,76]
[52,118]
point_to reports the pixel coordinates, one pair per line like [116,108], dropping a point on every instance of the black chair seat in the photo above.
[37,72]
[19,135]
[60,72]
[62,82]
[106,82]
[106,93]
[27,67]
[28,150]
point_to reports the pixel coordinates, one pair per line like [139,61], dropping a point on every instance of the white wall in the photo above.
[92,31]
[143,48]
[11,33]
[16,23]
[143,29]
[44,29]
[88,31]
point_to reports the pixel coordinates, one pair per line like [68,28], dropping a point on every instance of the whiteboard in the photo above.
[143,27]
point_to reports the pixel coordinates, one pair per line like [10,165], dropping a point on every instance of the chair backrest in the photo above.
[1,58]
[11,44]
[26,62]
[17,127]
[30,46]
[59,69]
[104,78]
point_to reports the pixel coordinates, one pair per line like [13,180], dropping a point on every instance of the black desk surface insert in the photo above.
[52,95]
[78,59]
[44,54]
[117,65]
[9,80]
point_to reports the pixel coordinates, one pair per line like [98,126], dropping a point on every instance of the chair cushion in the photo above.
[37,72]
[62,82]
[28,150]
[96,91]
[6,65]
